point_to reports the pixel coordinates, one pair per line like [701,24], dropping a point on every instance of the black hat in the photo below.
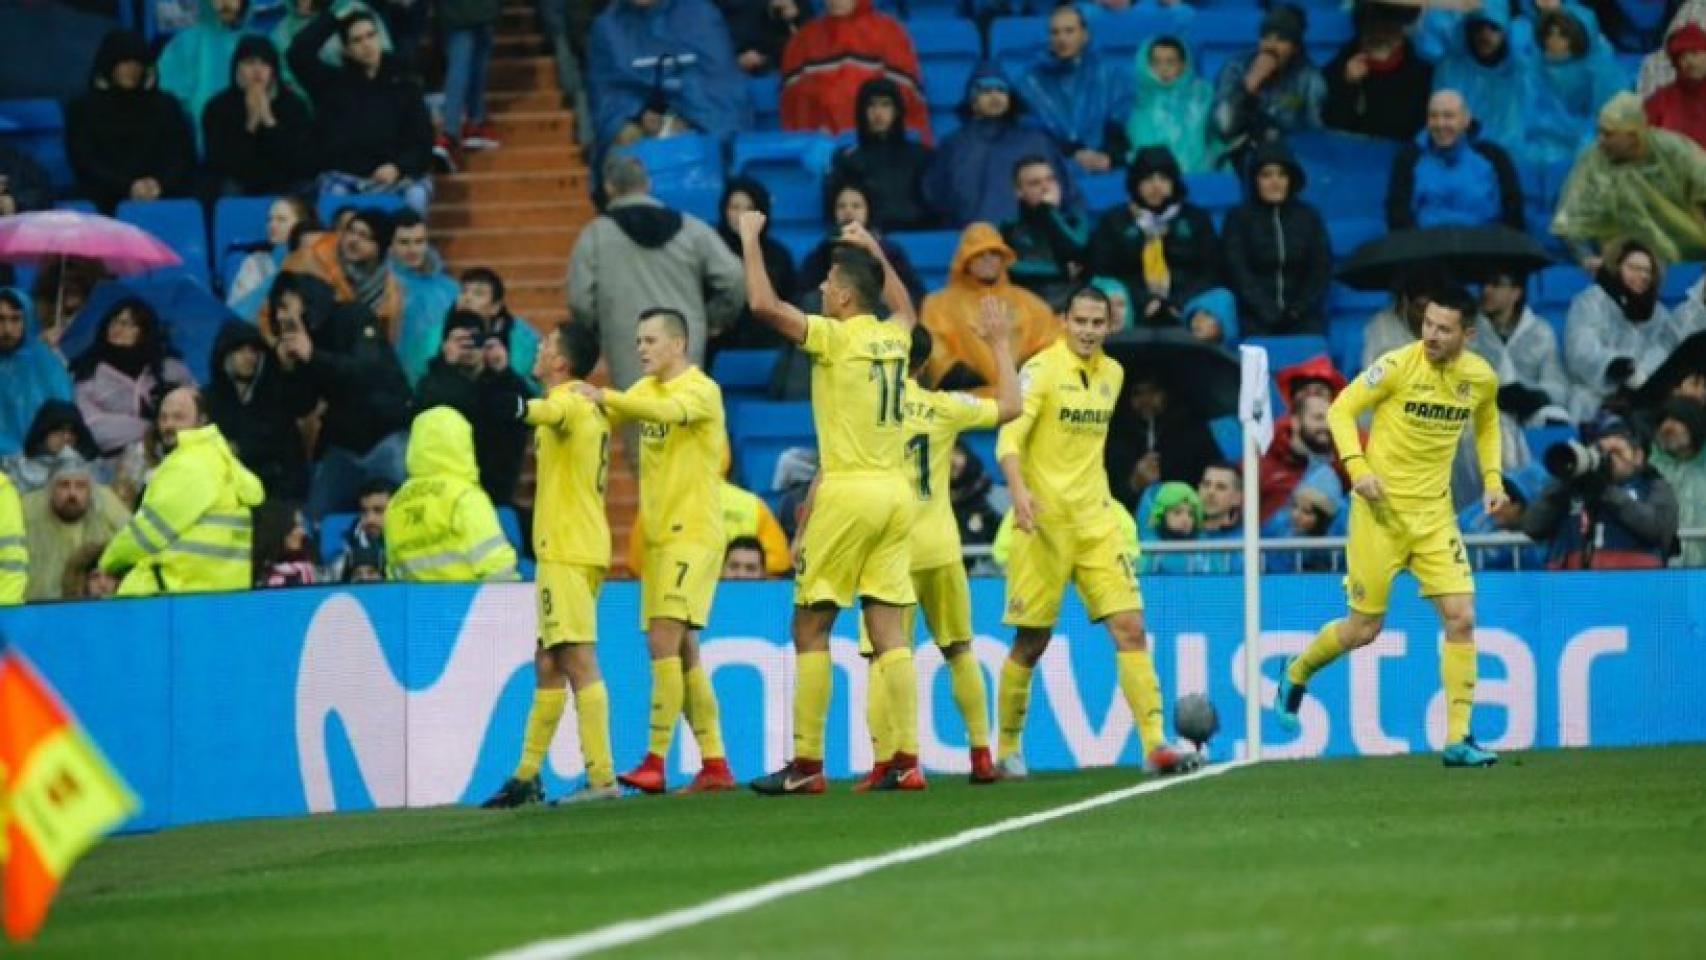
[1286,21]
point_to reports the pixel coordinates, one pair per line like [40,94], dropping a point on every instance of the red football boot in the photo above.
[648,777]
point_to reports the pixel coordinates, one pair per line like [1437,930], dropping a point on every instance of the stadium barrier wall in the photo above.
[295,701]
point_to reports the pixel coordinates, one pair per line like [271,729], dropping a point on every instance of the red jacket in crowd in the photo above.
[830,57]
[1681,106]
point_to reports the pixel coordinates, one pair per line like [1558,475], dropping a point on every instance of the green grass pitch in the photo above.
[1551,854]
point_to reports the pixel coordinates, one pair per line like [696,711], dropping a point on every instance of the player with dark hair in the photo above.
[1423,396]
[858,542]
[683,444]
[1068,530]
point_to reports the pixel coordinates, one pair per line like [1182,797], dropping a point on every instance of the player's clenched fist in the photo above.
[752,223]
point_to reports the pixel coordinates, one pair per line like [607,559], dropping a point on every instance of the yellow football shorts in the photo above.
[679,582]
[567,598]
[944,598]
[857,542]
[1387,538]
[1096,557]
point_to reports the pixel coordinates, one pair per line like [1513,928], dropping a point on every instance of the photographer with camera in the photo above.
[1606,508]
[472,374]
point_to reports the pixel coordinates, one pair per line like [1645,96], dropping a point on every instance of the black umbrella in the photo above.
[1470,254]
[1204,376]
[1688,359]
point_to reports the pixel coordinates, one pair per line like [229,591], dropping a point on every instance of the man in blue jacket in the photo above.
[1081,99]
[1449,176]
[972,176]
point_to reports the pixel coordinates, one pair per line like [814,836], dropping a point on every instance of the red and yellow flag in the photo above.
[57,795]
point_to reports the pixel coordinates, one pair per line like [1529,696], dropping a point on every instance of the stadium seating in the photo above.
[37,128]
[1228,436]
[179,225]
[982,445]
[760,430]
[948,48]
[766,93]
[931,253]
[792,166]
[743,373]
[237,222]
[1346,234]
[1103,191]
[1285,351]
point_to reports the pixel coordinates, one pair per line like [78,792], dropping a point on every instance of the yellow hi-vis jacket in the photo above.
[441,527]
[192,530]
[14,553]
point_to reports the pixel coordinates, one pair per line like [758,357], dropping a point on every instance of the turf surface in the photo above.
[1556,854]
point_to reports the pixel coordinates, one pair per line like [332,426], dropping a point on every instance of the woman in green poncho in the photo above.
[1172,106]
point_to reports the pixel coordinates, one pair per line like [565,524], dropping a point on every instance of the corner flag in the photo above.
[57,795]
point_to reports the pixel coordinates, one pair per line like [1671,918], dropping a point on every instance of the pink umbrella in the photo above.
[120,247]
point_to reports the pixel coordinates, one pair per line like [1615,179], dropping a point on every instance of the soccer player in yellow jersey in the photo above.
[683,444]
[1423,396]
[1068,529]
[571,539]
[934,421]
[858,543]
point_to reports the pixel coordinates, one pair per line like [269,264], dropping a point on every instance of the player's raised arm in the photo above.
[761,297]
[995,324]
[895,295]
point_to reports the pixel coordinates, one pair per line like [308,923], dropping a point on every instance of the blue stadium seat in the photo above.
[1229,437]
[1343,194]
[1327,151]
[1345,335]
[700,200]
[1119,34]
[1539,438]
[680,161]
[333,528]
[1343,298]
[1348,233]
[982,445]
[37,128]
[510,522]
[766,93]
[931,251]
[237,222]
[1559,285]
[1103,191]
[1227,28]
[944,121]
[1217,191]
[760,430]
[744,372]
[1285,351]
[791,166]
[1678,279]
[944,86]
[80,206]
[1015,40]
[800,240]
[330,203]
[948,39]
[178,224]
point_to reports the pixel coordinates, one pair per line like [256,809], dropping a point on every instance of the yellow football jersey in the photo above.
[683,444]
[934,420]
[1420,412]
[858,392]
[1061,437]
[573,451]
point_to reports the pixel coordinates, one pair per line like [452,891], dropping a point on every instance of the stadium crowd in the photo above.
[323,399]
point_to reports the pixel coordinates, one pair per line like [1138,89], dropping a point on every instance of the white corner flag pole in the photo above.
[1258,432]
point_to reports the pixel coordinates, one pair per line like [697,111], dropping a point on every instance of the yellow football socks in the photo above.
[1324,649]
[1012,700]
[811,704]
[1457,675]
[542,718]
[971,697]
[1142,692]
[592,710]
[900,676]
[667,694]
[877,714]
[703,715]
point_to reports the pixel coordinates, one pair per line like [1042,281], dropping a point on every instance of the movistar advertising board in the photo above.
[296,701]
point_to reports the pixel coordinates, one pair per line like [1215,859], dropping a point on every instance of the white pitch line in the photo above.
[634,931]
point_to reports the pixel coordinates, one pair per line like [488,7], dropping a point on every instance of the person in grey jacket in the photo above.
[1523,349]
[640,255]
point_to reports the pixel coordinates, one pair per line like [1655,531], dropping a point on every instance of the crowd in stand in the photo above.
[349,330]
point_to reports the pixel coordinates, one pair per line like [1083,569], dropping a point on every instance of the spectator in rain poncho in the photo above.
[829,59]
[31,372]
[195,65]
[1315,509]
[1490,62]
[57,426]
[429,294]
[1618,333]
[1272,91]
[123,374]
[1172,106]
[1657,69]
[1679,455]
[1523,349]
[1175,516]
[658,64]
[1077,95]
[971,178]
[1575,74]
[1637,182]
[1680,106]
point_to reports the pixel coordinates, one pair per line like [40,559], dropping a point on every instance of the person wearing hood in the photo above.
[1279,259]
[1490,63]
[441,527]
[125,139]
[639,254]
[1050,241]
[370,121]
[354,262]
[1161,246]
[889,163]
[1637,182]
[1679,455]
[335,353]
[1273,91]
[960,359]
[257,131]
[830,58]
[289,219]
[57,426]
[1302,442]
[1081,99]
[849,201]
[429,293]
[1657,68]
[1680,106]
[471,376]
[1523,351]
[1521,487]
[1378,84]
[1313,512]
[740,195]
[32,372]
[119,379]
[70,512]
[1172,106]
[1576,74]
[1175,516]
[971,178]
[197,63]
[298,14]
[1617,333]
[662,67]
[1448,176]
[192,531]
[761,29]
[251,400]
[1155,438]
